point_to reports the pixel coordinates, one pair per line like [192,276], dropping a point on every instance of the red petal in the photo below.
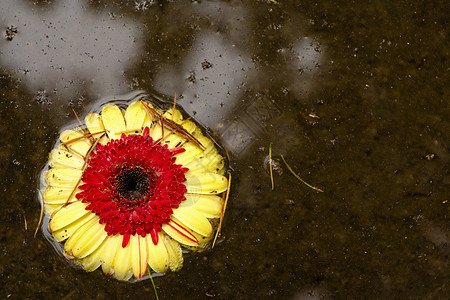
[177,150]
[155,237]
[145,132]
[126,239]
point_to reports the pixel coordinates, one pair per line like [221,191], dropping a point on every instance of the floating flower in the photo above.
[132,188]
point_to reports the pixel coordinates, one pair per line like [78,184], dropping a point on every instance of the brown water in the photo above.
[354,95]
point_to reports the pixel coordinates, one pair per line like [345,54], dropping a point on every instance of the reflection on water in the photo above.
[221,66]
[306,57]
[209,78]
[68,46]
[66,49]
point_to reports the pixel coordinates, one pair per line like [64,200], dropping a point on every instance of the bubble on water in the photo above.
[276,165]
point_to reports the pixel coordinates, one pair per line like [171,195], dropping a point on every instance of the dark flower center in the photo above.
[133,185]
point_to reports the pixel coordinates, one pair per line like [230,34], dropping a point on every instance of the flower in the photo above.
[132,188]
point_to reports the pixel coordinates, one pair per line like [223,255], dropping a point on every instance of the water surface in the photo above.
[354,96]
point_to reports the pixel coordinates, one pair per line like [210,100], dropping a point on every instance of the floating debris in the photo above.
[11,32]
[206,65]
[271,165]
[298,177]
[222,213]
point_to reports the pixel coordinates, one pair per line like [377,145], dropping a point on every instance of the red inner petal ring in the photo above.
[132,184]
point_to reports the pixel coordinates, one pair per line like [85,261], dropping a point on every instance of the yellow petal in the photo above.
[113,121]
[193,219]
[122,263]
[86,239]
[212,162]
[177,117]
[205,183]
[207,143]
[67,215]
[209,205]
[176,230]
[89,241]
[50,209]
[156,131]
[135,116]
[76,141]
[112,243]
[139,255]
[174,253]
[149,120]
[60,195]
[191,151]
[173,115]
[94,260]
[172,139]
[68,246]
[62,158]
[67,231]
[189,126]
[221,169]
[202,242]
[63,177]
[158,259]
[95,125]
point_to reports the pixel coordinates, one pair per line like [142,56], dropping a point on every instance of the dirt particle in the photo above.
[11,32]
[206,65]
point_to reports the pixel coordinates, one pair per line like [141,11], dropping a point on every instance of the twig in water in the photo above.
[270,165]
[222,213]
[298,177]
[41,200]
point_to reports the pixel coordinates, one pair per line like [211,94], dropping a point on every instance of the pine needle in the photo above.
[172,126]
[88,155]
[87,135]
[174,104]
[79,121]
[41,200]
[222,213]
[76,116]
[298,177]
[270,165]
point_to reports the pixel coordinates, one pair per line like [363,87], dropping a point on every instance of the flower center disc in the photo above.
[132,184]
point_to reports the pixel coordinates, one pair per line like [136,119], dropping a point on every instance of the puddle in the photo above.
[353,96]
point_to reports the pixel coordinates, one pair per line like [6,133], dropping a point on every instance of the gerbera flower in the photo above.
[126,192]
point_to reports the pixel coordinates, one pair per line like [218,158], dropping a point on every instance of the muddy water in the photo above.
[353,96]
